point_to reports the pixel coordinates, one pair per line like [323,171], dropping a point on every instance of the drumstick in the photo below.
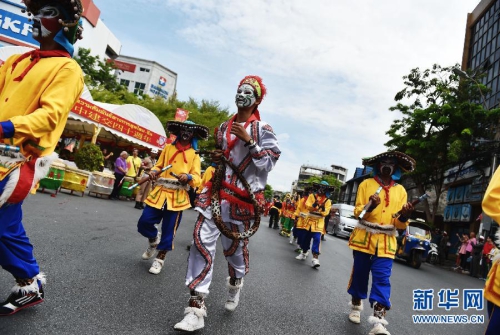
[6,147]
[146,179]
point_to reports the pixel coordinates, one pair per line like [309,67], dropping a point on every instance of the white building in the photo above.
[15,29]
[143,76]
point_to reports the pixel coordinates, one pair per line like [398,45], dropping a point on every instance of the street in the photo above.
[97,282]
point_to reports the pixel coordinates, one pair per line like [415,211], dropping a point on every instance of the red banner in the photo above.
[180,115]
[108,119]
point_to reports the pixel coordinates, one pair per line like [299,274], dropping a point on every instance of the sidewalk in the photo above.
[450,265]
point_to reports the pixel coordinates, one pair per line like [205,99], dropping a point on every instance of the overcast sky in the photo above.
[331,67]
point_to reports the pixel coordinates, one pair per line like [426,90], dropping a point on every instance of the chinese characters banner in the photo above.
[181,115]
[108,119]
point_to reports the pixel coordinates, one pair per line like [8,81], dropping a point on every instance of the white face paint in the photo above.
[245,96]
[388,165]
[46,21]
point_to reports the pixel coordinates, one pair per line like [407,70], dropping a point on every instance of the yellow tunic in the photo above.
[134,165]
[209,172]
[301,213]
[491,203]
[364,241]
[316,224]
[38,105]
[175,199]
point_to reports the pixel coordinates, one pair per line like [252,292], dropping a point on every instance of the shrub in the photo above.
[89,158]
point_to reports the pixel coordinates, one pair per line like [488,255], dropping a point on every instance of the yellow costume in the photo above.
[301,214]
[174,198]
[490,204]
[134,164]
[207,176]
[368,242]
[317,223]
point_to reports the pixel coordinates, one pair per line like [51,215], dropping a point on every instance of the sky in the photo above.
[331,68]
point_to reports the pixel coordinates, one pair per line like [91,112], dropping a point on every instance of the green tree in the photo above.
[98,73]
[268,192]
[331,180]
[442,115]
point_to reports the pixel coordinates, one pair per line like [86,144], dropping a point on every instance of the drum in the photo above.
[54,178]
[126,182]
[102,183]
[75,180]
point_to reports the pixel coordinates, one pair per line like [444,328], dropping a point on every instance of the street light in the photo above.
[465,75]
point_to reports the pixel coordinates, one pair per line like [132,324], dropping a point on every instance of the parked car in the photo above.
[342,221]
[414,243]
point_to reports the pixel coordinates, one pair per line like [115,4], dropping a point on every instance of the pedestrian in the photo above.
[442,248]
[486,260]
[477,255]
[274,213]
[252,148]
[105,159]
[120,171]
[37,91]
[169,198]
[468,252]
[374,237]
[491,204]
[147,164]
[318,206]
[327,221]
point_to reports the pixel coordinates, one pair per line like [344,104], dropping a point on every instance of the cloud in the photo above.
[332,68]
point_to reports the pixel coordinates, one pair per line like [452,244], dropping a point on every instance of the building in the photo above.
[15,30]
[307,171]
[142,76]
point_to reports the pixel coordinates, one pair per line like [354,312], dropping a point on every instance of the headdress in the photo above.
[199,131]
[405,162]
[154,151]
[71,26]
[323,184]
[259,87]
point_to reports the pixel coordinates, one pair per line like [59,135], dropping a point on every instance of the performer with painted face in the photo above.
[317,206]
[373,240]
[37,91]
[247,151]
[170,193]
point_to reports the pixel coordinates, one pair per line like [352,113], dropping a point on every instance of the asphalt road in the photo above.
[97,283]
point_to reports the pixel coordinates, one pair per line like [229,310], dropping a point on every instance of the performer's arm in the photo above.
[55,104]
[491,200]
[265,154]
[195,172]
[361,199]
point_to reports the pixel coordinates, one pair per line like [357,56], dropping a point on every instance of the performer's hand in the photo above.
[183,178]
[216,155]
[153,175]
[322,208]
[375,200]
[407,209]
[239,131]
[315,205]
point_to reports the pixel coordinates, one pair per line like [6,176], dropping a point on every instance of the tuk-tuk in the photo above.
[414,242]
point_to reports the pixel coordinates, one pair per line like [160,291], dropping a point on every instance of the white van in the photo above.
[343,221]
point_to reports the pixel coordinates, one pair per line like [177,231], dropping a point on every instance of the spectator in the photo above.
[120,171]
[477,253]
[106,163]
[468,251]
[442,248]
[274,213]
[486,260]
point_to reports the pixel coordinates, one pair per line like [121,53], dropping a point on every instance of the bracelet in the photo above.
[250,143]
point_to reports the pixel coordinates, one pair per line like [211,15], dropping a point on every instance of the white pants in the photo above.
[202,254]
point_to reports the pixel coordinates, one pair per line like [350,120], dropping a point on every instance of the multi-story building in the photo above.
[15,30]
[143,76]
[307,171]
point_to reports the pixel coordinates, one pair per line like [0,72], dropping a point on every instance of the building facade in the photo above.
[142,76]
[15,30]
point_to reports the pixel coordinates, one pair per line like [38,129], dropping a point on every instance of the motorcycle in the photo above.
[433,256]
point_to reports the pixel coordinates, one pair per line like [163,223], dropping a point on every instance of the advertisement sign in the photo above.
[466,213]
[467,193]
[16,28]
[447,213]
[180,115]
[457,213]
[450,197]
[459,194]
[123,66]
[162,81]
[108,119]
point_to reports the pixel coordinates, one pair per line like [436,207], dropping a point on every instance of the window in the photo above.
[125,82]
[143,69]
[139,88]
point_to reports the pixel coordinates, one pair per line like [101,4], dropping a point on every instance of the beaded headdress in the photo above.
[72,10]
[256,83]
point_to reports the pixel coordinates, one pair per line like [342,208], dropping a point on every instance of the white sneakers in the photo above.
[379,328]
[315,263]
[233,295]
[156,267]
[302,256]
[150,251]
[193,319]
[355,315]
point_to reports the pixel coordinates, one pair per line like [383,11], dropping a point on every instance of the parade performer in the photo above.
[250,146]
[491,205]
[169,197]
[146,166]
[373,240]
[318,206]
[274,213]
[207,176]
[288,216]
[300,228]
[37,91]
